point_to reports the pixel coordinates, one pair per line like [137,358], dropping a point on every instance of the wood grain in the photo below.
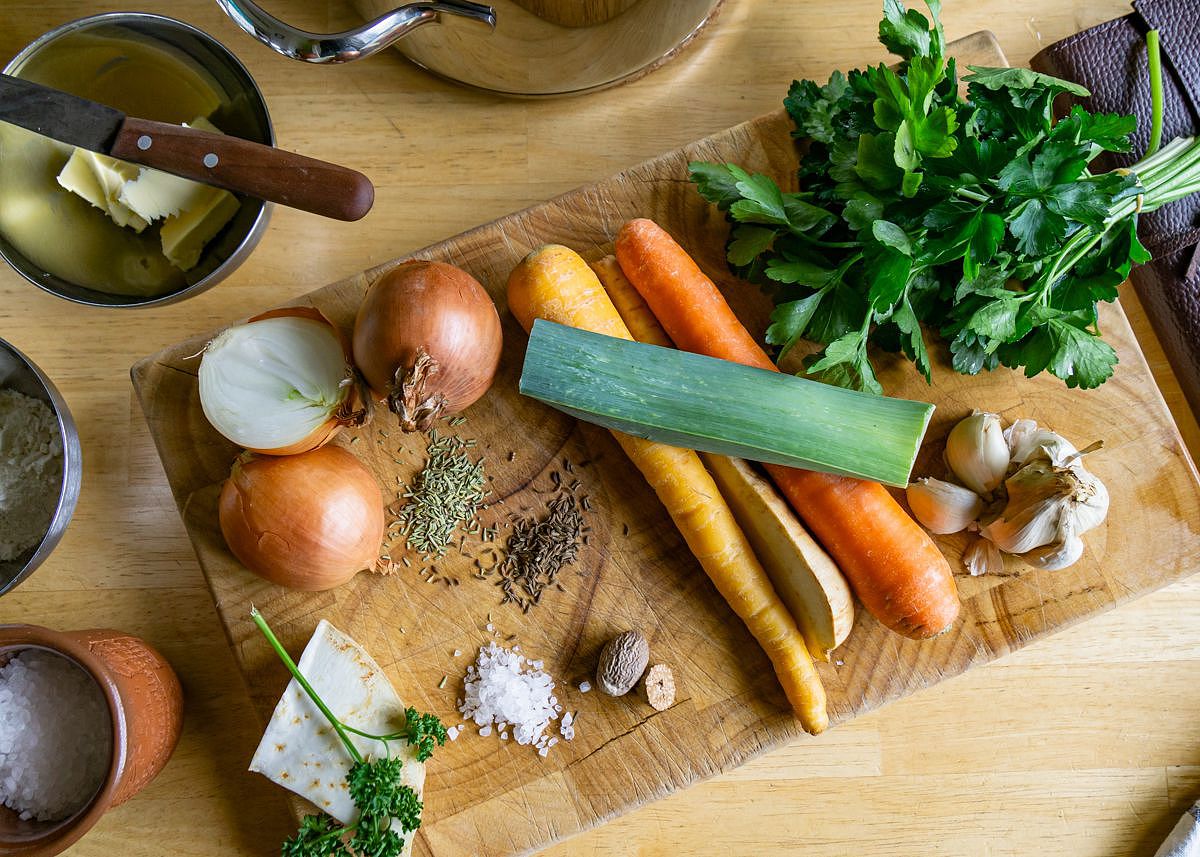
[1083,743]
[730,706]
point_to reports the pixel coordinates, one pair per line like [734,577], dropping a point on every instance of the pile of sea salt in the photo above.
[55,736]
[503,691]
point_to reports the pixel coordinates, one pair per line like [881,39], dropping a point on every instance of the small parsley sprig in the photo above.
[374,785]
[976,217]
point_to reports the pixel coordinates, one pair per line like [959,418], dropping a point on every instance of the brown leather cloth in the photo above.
[1110,60]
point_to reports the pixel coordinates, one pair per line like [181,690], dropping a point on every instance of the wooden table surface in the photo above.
[1084,744]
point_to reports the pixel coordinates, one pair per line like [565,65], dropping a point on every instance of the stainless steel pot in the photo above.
[525,48]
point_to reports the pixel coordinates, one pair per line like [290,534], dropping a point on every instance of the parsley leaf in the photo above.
[893,236]
[797,271]
[318,835]
[1038,230]
[1021,78]
[421,731]
[1078,357]
[789,321]
[906,33]
[815,109]
[912,341]
[845,364]
[749,242]
[716,183]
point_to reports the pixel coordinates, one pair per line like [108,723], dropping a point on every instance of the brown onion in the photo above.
[427,340]
[309,521]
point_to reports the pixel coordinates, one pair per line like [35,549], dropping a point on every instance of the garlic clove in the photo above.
[1017,437]
[1027,441]
[977,452]
[1057,554]
[983,557]
[1090,499]
[943,507]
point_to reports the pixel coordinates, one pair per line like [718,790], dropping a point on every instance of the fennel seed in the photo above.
[443,498]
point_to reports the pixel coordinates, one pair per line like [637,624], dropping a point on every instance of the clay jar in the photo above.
[146,705]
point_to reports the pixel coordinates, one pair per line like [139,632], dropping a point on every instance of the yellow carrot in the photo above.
[630,304]
[555,283]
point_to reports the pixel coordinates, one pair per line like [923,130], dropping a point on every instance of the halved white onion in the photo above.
[279,384]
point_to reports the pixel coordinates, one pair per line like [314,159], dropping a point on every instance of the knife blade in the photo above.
[53,113]
[222,160]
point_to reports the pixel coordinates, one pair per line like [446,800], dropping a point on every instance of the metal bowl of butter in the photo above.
[102,232]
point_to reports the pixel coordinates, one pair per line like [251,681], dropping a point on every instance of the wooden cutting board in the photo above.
[489,797]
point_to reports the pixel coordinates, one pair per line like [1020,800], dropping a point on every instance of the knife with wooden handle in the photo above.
[220,160]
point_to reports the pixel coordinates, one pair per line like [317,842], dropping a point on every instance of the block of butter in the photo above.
[192,213]
[100,179]
[185,235]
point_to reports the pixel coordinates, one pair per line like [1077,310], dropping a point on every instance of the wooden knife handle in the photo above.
[244,167]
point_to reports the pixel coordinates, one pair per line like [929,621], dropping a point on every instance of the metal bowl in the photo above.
[18,372]
[242,113]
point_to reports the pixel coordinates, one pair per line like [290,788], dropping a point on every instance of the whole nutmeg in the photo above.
[622,662]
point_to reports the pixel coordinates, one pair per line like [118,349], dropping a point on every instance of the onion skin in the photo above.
[427,340]
[320,436]
[310,521]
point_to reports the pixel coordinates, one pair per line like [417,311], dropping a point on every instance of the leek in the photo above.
[698,402]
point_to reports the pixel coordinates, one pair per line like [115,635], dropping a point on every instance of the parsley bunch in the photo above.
[375,785]
[975,217]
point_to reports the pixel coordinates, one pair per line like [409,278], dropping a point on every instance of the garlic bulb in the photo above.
[1048,505]
[1049,498]
[977,452]
[1091,506]
[943,507]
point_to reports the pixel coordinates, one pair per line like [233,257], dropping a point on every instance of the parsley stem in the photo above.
[846,265]
[394,736]
[337,725]
[1154,59]
[972,195]
[1168,175]
[816,242]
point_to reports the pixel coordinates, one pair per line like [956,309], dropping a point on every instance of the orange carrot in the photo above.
[555,283]
[894,567]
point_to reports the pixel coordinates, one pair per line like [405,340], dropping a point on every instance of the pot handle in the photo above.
[354,44]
